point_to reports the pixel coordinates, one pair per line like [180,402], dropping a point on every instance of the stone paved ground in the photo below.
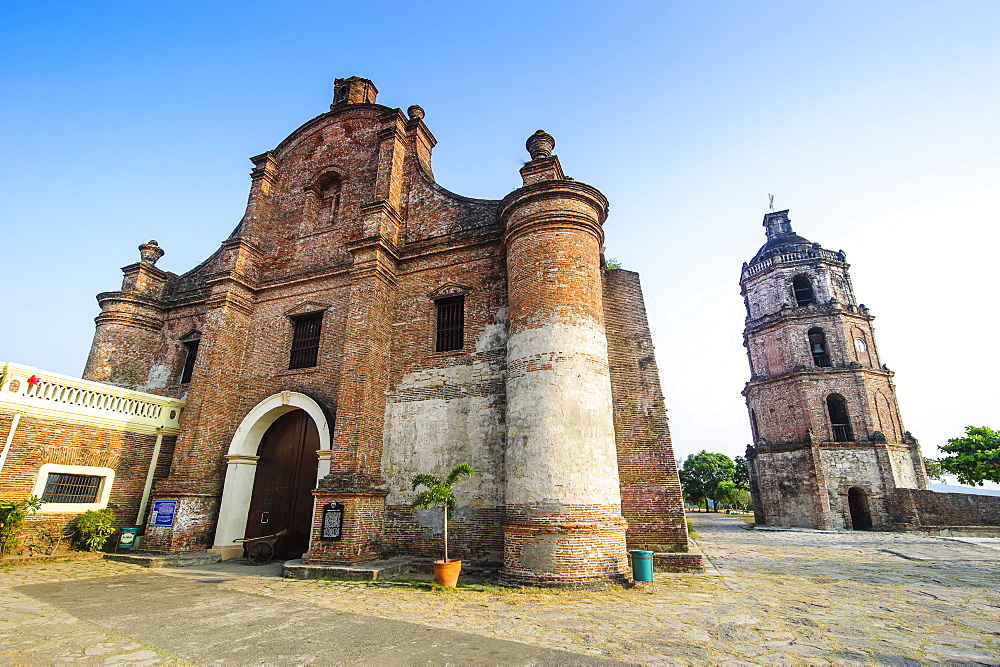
[772,597]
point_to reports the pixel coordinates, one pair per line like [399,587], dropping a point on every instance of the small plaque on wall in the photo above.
[163,513]
[333,521]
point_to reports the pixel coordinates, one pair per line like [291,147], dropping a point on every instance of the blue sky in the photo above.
[875,123]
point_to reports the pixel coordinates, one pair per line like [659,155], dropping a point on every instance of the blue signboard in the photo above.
[163,513]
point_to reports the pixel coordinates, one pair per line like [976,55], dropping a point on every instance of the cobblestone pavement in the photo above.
[33,632]
[770,597]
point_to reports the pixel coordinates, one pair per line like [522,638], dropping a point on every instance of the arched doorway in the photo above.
[242,459]
[282,490]
[857,502]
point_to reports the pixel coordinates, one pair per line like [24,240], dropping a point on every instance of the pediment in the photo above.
[306,307]
[449,289]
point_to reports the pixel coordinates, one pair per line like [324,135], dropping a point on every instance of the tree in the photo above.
[440,493]
[733,495]
[701,474]
[723,493]
[742,473]
[934,470]
[740,498]
[975,458]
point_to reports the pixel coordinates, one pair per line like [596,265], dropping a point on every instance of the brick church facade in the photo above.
[362,324]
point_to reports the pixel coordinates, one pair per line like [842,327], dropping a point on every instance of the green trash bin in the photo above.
[642,565]
[127,538]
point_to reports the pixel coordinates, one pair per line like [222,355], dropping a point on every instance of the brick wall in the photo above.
[650,488]
[918,508]
[37,442]
[786,491]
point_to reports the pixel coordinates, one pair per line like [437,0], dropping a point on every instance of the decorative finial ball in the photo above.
[150,252]
[540,145]
[415,112]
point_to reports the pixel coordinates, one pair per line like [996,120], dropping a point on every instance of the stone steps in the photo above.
[373,571]
[171,560]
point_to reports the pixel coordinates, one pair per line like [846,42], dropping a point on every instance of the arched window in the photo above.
[803,289]
[836,406]
[817,346]
[327,191]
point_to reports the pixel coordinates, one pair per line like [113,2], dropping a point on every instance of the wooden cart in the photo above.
[260,550]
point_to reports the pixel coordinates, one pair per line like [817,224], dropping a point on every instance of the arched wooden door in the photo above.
[286,475]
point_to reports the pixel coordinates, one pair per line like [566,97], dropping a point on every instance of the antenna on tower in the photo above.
[771,202]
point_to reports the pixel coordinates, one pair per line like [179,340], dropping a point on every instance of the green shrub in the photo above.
[93,528]
[12,514]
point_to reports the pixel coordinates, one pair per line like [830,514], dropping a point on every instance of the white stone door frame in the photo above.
[242,469]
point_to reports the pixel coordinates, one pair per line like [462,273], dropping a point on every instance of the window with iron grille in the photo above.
[65,488]
[305,340]
[841,423]
[191,347]
[450,323]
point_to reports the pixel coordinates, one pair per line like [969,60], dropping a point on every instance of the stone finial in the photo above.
[415,112]
[353,90]
[150,252]
[540,145]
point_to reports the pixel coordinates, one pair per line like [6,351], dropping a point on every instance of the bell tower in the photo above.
[829,445]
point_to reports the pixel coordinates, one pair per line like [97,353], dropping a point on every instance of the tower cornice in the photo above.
[818,373]
[810,312]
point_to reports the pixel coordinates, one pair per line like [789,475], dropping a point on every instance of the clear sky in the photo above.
[876,124]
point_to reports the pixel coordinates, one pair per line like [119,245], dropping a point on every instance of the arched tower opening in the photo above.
[817,347]
[802,288]
[840,421]
[857,503]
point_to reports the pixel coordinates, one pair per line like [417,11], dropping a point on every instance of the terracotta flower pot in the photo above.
[446,571]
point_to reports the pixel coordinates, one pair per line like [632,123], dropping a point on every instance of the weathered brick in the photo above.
[344,217]
[807,340]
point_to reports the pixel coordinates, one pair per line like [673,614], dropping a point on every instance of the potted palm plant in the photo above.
[439,493]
